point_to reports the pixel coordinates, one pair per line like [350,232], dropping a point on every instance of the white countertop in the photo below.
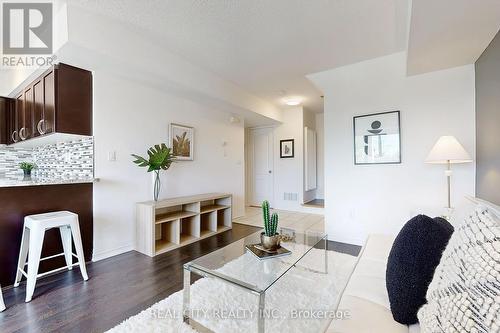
[15,182]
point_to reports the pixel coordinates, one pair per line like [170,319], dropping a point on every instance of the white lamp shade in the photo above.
[448,149]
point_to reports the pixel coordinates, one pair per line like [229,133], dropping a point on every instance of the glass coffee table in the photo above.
[269,271]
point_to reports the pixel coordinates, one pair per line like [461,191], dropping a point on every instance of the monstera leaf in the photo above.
[159,158]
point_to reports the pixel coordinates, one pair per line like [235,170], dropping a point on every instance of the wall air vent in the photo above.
[290,196]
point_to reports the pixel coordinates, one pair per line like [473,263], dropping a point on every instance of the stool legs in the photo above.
[23,255]
[67,245]
[2,304]
[75,230]
[35,251]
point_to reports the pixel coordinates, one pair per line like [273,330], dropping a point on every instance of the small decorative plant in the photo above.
[160,157]
[270,239]
[27,167]
[270,221]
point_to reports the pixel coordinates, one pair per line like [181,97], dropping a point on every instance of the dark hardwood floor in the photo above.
[119,287]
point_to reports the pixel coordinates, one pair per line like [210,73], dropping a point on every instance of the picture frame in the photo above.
[287,148]
[181,140]
[377,138]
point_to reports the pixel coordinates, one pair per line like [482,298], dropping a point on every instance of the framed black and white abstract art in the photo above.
[287,148]
[377,138]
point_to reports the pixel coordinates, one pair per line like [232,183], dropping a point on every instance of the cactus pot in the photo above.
[271,243]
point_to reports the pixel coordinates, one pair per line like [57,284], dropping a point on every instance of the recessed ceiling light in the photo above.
[292,101]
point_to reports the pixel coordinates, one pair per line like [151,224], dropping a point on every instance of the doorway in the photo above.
[260,165]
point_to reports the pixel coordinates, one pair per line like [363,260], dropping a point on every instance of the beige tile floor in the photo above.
[300,222]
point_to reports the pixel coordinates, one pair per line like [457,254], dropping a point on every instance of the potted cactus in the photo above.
[269,239]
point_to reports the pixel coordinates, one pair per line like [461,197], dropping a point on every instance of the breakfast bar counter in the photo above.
[19,182]
[18,201]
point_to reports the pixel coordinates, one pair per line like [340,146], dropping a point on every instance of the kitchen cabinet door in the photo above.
[4,121]
[49,105]
[26,131]
[38,106]
[12,121]
[73,100]
[19,116]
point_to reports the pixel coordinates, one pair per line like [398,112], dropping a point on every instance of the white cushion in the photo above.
[415,328]
[365,317]
[365,296]
[370,267]
[378,247]
[368,282]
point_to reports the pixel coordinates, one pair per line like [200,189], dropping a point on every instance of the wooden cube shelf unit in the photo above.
[171,223]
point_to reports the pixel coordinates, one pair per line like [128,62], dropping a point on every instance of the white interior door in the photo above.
[262,157]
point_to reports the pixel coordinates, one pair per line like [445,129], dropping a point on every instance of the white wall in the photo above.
[381,198]
[320,150]
[288,172]
[128,118]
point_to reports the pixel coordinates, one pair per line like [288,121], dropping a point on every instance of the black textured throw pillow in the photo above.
[414,256]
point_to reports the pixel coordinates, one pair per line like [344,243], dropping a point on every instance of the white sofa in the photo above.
[365,296]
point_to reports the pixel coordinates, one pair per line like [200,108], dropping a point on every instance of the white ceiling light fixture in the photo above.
[234,120]
[292,101]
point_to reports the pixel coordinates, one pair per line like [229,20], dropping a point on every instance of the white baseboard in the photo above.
[348,240]
[301,209]
[111,253]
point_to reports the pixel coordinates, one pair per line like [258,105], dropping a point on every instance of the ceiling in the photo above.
[267,47]
[450,33]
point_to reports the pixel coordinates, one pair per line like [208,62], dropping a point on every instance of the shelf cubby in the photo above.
[190,228]
[167,236]
[223,220]
[171,223]
[168,214]
[208,223]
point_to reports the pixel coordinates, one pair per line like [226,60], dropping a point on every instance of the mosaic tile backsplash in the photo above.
[65,160]
[10,159]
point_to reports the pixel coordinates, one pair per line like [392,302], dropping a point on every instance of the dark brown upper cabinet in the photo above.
[19,115]
[26,128]
[6,119]
[49,102]
[59,100]
[73,100]
[39,121]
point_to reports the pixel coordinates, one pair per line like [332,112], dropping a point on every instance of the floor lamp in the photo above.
[448,150]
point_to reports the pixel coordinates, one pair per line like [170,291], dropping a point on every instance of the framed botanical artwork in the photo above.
[182,142]
[287,148]
[377,138]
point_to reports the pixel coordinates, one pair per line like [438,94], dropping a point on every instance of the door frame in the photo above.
[249,174]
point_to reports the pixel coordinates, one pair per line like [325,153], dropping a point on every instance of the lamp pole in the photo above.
[448,176]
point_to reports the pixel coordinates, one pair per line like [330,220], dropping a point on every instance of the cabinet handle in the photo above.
[41,127]
[13,136]
[21,135]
